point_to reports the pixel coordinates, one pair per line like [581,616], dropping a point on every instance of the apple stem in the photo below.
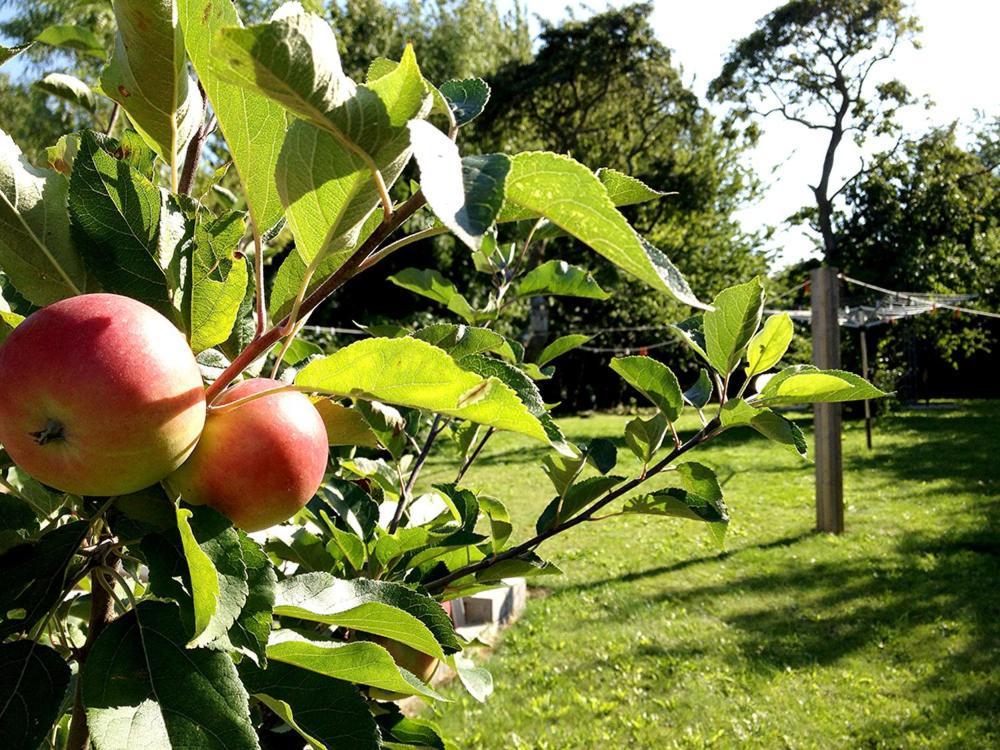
[51,432]
[260,394]
[260,346]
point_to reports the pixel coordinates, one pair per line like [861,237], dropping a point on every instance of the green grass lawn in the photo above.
[886,637]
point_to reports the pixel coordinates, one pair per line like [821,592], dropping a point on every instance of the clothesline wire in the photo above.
[917,297]
[923,298]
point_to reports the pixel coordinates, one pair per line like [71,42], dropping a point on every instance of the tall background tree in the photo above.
[816,63]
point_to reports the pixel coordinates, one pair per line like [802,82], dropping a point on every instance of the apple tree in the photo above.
[215,534]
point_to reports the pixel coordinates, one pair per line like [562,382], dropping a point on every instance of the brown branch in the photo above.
[474,455]
[407,488]
[113,120]
[102,611]
[193,154]
[439,584]
[338,278]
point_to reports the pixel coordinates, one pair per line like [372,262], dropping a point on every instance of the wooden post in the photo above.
[826,417]
[864,374]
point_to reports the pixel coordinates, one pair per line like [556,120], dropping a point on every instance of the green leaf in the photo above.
[699,499]
[625,190]
[522,385]
[557,277]
[35,575]
[575,499]
[527,565]
[412,732]
[780,430]
[358,129]
[467,98]
[8,322]
[71,36]
[464,505]
[345,425]
[816,386]
[680,503]
[116,221]
[700,479]
[70,89]
[645,436]
[671,276]
[147,75]
[326,712]
[499,518]
[654,380]
[35,249]
[692,331]
[572,197]
[560,346]
[731,324]
[253,126]
[8,53]
[699,394]
[465,195]
[431,284]
[17,522]
[462,340]
[477,680]
[379,607]
[769,345]
[737,412]
[33,682]
[43,501]
[361,662]
[144,690]
[413,373]
[219,279]
[292,274]
[218,574]
[252,628]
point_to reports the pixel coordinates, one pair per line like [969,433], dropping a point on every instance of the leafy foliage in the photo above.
[193,633]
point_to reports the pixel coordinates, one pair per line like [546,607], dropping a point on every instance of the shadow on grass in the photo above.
[931,610]
[961,449]
[683,564]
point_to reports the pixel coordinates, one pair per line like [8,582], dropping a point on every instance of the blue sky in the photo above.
[957,67]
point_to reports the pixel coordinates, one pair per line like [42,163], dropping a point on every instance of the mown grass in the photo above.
[886,637]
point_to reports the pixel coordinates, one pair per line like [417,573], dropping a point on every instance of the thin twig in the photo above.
[474,455]
[439,584]
[113,120]
[101,614]
[193,154]
[337,279]
[407,487]
[258,272]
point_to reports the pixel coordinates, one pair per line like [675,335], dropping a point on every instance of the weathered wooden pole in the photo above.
[864,374]
[826,417]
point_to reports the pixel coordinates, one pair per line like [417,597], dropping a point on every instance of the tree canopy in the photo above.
[812,62]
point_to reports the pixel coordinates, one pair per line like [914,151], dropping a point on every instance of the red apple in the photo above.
[259,461]
[99,395]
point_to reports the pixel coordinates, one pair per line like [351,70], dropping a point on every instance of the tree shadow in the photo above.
[955,450]
[899,610]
